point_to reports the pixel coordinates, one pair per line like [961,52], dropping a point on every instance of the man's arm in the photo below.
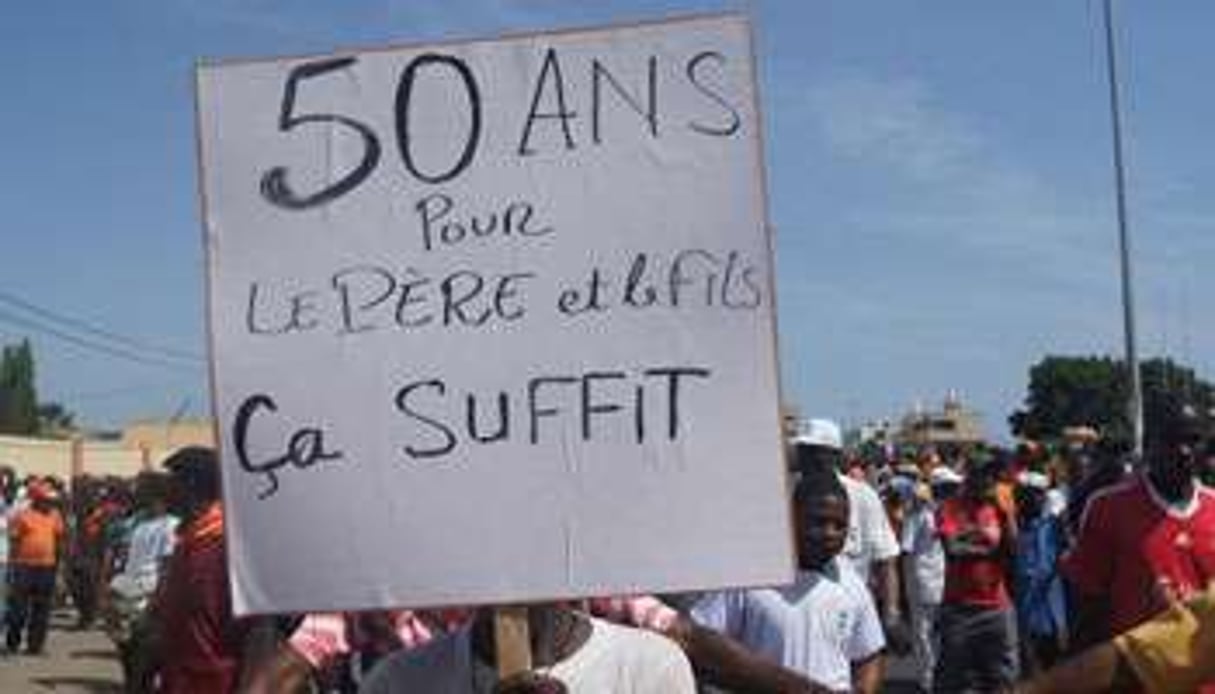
[61,540]
[866,645]
[285,672]
[723,662]
[867,675]
[1088,569]
[260,647]
[883,548]
[16,530]
[1099,669]
[1173,651]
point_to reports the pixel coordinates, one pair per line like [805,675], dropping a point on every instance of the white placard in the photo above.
[492,321]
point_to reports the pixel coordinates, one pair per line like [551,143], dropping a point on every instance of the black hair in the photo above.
[153,486]
[197,468]
[818,482]
[808,458]
[1177,424]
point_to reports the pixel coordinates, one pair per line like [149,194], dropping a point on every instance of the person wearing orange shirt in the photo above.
[36,538]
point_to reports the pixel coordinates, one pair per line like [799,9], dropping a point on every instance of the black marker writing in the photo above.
[695,78]
[598,405]
[405,94]
[305,448]
[551,66]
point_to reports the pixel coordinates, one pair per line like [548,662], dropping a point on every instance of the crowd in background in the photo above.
[1061,567]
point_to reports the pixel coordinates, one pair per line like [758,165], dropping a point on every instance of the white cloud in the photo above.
[894,123]
[958,184]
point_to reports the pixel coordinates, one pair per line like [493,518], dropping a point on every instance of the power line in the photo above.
[110,393]
[80,325]
[13,319]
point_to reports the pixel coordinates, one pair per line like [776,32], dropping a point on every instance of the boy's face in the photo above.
[822,528]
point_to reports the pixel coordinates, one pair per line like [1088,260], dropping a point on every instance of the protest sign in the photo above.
[493,321]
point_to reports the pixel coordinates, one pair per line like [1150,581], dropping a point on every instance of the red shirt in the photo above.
[202,641]
[976,581]
[1136,549]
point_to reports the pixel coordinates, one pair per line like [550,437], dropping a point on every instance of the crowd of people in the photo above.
[1040,569]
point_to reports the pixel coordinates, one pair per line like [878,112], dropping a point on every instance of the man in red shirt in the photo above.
[1146,541]
[203,645]
[977,624]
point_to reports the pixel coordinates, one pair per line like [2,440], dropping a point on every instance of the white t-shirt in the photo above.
[614,659]
[151,544]
[924,558]
[870,537]
[818,626]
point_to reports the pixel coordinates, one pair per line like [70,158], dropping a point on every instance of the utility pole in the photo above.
[1135,405]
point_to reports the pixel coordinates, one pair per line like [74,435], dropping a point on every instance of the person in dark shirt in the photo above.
[203,647]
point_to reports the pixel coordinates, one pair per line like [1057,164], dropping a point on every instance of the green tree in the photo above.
[18,398]
[1067,391]
[54,420]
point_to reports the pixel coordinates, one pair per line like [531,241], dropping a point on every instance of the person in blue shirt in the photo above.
[1037,585]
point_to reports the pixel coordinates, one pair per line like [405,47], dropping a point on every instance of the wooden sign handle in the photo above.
[511,641]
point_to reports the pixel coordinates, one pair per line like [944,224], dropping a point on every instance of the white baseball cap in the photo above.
[942,474]
[823,433]
[1034,480]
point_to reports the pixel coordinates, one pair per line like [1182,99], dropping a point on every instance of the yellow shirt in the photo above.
[1174,651]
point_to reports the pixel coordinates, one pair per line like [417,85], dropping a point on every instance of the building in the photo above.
[142,446]
[953,426]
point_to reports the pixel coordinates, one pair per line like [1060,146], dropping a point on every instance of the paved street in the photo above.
[75,662]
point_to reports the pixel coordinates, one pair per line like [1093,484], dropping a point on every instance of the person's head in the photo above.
[152,490]
[1031,494]
[980,478]
[194,472]
[1005,464]
[820,507]
[1173,448]
[819,444]
[945,482]
[43,497]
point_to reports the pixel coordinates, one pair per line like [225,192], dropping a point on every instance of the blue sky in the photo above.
[939,183]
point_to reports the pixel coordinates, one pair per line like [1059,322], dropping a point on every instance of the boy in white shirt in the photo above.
[148,550]
[825,624]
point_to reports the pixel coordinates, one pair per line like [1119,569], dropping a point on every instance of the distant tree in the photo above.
[18,398]
[20,411]
[1069,391]
[54,419]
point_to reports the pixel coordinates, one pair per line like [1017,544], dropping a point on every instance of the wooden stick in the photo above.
[512,644]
